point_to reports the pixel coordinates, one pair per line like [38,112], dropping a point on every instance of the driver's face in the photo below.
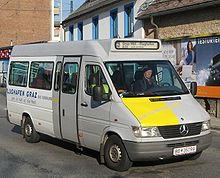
[148,74]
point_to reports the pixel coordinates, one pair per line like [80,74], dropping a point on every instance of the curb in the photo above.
[215,128]
[215,123]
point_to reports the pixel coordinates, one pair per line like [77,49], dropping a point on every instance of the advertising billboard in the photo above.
[197,59]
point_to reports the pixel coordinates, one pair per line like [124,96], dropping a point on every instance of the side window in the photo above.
[164,77]
[70,76]
[167,78]
[116,75]
[176,81]
[95,77]
[41,75]
[18,74]
[57,79]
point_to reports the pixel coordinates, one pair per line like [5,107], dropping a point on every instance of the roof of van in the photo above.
[101,48]
[63,48]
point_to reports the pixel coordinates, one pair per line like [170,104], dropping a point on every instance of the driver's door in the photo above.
[93,115]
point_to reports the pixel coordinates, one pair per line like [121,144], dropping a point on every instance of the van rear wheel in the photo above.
[115,154]
[30,134]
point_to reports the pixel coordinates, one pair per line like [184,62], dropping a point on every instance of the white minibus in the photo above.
[119,97]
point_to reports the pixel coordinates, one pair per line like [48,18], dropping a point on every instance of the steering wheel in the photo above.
[165,84]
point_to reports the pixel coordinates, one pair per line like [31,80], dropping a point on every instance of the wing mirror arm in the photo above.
[193,88]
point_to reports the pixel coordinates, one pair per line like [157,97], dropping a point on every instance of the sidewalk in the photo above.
[215,123]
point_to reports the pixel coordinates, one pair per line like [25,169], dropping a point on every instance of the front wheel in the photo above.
[115,154]
[30,134]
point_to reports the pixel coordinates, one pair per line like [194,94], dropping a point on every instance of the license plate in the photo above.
[184,150]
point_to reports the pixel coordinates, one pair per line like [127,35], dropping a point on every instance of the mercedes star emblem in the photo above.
[184,130]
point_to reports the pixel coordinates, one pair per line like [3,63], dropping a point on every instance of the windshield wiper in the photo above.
[126,93]
[158,92]
[165,99]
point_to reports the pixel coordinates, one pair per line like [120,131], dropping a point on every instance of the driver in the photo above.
[145,83]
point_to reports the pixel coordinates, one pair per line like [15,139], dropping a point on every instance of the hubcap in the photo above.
[28,130]
[115,153]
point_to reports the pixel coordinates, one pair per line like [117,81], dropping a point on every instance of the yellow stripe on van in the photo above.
[55,100]
[152,113]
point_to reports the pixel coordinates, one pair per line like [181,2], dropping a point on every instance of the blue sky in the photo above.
[66,6]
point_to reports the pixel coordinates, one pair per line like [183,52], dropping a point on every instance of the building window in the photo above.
[80,31]
[114,23]
[129,20]
[71,33]
[56,31]
[95,28]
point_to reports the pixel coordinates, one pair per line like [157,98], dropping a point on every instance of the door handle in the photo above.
[63,112]
[84,104]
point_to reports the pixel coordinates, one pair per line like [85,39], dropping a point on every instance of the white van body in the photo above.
[50,91]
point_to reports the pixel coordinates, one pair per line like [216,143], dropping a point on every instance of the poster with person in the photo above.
[187,65]
[197,59]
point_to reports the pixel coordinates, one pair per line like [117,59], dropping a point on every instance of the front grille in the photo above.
[174,130]
[182,144]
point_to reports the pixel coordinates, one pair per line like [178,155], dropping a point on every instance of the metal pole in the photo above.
[61,10]
[52,20]
[61,19]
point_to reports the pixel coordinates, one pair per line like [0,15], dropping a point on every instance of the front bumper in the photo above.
[163,150]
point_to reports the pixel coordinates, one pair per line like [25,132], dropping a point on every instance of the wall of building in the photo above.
[24,21]
[104,22]
[188,23]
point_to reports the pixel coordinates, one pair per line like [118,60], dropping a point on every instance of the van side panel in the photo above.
[37,103]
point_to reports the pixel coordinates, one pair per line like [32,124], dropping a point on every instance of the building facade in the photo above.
[182,18]
[25,21]
[100,19]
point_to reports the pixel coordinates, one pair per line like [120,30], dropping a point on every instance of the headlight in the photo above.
[146,131]
[206,125]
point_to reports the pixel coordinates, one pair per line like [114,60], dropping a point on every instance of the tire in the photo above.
[195,156]
[30,134]
[115,154]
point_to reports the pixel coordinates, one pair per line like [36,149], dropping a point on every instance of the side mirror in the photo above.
[193,88]
[97,93]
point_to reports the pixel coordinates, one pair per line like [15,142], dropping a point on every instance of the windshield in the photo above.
[145,78]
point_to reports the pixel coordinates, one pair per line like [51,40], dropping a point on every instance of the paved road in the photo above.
[54,158]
